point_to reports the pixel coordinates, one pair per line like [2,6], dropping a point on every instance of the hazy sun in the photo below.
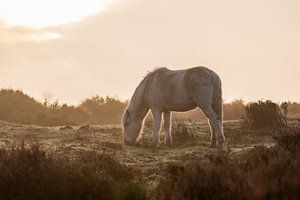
[43,13]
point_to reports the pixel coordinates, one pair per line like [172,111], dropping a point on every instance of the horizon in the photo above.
[72,51]
[52,99]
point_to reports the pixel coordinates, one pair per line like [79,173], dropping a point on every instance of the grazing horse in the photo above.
[163,91]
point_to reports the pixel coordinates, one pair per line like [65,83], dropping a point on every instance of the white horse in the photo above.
[164,90]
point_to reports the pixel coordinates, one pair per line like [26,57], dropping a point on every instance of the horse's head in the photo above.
[131,127]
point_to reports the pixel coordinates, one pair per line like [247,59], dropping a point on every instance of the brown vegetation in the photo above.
[251,168]
[262,173]
[234,110]
[15,106]
[265,114]
[31,173]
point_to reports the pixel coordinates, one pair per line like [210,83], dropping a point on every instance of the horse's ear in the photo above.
[128,113]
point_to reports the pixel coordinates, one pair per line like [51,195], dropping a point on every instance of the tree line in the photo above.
[16,106]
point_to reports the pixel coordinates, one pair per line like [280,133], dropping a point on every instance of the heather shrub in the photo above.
[31,173]
[131,191]
[196,180]
[264,114]
[262,173]
[288,139]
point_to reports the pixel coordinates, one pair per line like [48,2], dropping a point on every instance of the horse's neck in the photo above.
[140,112]
[137,104]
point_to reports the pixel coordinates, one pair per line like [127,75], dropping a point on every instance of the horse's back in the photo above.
[197,78]
[187,80]
[177,89]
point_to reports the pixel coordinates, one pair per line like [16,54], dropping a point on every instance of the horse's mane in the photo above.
[149,76]
[139,91]
[152,72]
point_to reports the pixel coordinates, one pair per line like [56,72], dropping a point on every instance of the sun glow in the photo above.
[43,13]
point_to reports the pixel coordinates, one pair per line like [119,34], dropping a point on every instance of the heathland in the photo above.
[54,151]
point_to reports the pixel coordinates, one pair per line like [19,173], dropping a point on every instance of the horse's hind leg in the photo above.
[167,126]
[157,125]
[213,138]
[215,125]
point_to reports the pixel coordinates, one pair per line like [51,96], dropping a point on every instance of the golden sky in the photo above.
[73,49]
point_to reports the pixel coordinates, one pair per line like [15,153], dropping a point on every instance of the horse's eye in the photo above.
[127,119]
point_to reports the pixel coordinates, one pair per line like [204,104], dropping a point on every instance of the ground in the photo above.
[191,140]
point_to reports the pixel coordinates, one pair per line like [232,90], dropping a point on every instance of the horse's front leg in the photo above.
[167,126]
[157,125]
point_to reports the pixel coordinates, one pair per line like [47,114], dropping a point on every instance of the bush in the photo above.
[262,173]
[197,180]
[182,133]
[34,174]
[264,114]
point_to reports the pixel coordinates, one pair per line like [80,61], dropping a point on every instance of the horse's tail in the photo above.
[217,97]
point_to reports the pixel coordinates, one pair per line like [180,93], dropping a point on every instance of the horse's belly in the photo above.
[176,99]
[180,107]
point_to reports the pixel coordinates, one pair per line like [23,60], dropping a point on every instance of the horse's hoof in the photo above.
[213,145]
[155,143]
[221,143]
[213,142]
